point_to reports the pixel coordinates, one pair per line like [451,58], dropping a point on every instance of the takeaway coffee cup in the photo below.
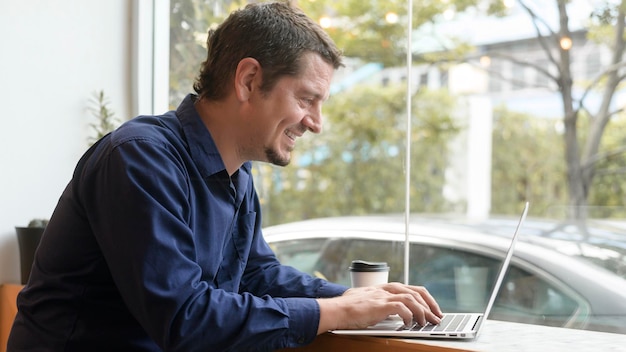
[363,273]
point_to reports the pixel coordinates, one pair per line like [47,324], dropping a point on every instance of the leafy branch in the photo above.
[106,120]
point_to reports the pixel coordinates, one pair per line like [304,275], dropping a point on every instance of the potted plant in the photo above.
[28,239]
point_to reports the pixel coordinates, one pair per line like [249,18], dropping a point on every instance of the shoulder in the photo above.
[149,141]
[164,129]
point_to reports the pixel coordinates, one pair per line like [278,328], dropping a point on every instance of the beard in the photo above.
[275,158]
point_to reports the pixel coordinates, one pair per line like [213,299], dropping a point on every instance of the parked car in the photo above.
[457,263]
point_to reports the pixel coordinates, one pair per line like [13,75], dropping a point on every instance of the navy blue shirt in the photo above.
[153,246]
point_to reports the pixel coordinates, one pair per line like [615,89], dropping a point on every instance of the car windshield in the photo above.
[446,117]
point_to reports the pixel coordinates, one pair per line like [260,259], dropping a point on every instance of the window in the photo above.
[495,79]
[358,166]
[518,76]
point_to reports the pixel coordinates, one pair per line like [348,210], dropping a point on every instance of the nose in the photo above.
[313,121]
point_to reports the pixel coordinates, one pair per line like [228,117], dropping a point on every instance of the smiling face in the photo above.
[286,112]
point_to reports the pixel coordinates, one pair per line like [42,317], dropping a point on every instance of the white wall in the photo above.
[55,54]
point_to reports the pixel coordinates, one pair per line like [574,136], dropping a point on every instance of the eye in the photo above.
[306,102]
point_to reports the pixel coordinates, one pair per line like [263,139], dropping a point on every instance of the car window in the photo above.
[463,280]
[525,297]
[301,254]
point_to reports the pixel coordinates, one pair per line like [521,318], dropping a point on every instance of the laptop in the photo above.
[453,325]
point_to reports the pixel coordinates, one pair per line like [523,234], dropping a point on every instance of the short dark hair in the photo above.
[276,34]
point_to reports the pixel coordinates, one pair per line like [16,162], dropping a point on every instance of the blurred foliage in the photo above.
[609,184]
[356,27]
[601,30]
[38,223]
[105,117]
[357,166]
[375,30]
[190,21]
[528,162]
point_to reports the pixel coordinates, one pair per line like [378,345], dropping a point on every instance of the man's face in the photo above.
[285,113]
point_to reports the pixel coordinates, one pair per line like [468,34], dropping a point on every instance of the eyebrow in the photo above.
[316,96]
[313,91]
[320,97]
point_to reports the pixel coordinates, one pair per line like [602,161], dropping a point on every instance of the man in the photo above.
[156,242]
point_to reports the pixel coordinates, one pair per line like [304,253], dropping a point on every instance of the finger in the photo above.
[420,293]
[420,310]
[403,311]
[429,300]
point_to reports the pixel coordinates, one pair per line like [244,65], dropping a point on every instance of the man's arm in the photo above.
[339,307]
[264,275]
[173,287]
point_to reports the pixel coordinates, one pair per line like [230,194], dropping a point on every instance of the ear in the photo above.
[247,76]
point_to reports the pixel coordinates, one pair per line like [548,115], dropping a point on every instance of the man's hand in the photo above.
[365,306]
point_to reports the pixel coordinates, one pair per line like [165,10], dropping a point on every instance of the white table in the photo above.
[496,336]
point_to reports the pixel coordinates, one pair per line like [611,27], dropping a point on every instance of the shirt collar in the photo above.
[201,144]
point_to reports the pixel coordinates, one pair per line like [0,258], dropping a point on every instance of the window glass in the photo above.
[488,105]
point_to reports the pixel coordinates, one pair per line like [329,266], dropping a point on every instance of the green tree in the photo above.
[190,21]
[376,30]
[584,128]
[538,170]
[523,169]
[361,28]
[609,184]
[357,165]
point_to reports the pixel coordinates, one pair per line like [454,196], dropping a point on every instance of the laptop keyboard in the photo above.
[450,322]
